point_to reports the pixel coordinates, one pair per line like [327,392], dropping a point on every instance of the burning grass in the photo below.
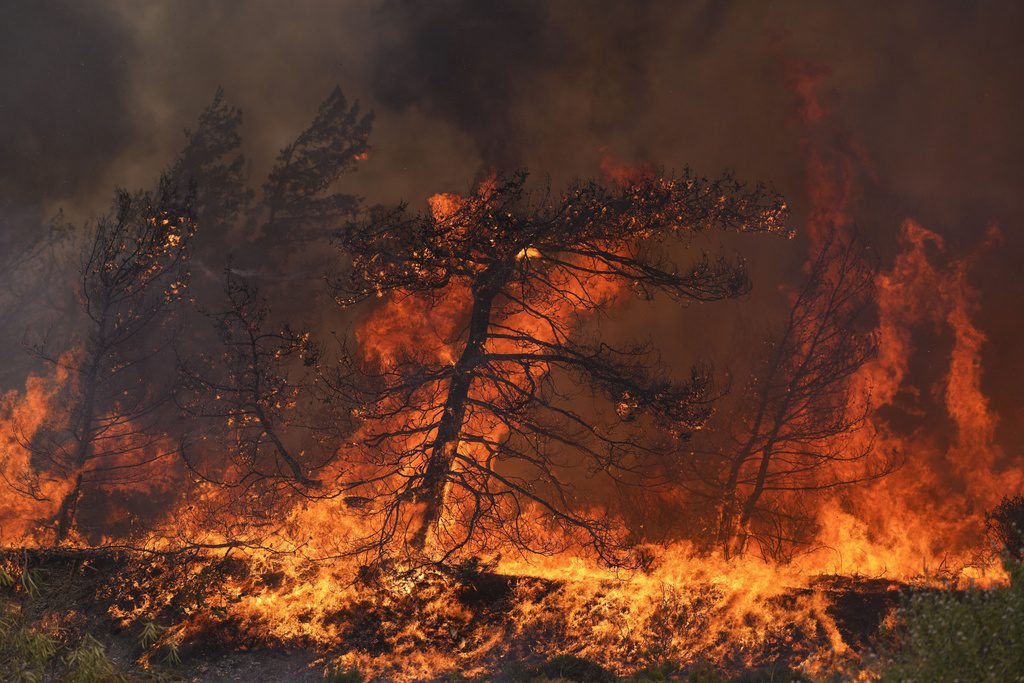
[477,621]
[240,614]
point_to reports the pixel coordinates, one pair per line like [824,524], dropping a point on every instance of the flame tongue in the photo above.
[929,515]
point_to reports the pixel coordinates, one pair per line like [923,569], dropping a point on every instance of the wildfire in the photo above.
[445,523]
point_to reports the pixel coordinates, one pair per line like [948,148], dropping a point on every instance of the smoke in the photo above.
[66,110]
[928,88]
[430,57]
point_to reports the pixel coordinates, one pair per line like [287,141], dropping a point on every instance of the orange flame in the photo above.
[22,416]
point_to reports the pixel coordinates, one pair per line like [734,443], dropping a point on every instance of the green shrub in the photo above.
[775,673]
[577,669]
[88,663]
[658,673]
[339,674]
[149,634]
[24,653]
[30,655]
[949,636]
[561,668]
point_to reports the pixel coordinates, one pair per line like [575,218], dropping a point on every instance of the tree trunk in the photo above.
[66,513]
[86,436]
[743,524]
[727,512]
[431,489]
[732,532]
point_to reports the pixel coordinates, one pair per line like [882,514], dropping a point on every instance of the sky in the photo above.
[924,96]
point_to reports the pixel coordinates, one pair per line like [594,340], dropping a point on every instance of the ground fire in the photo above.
[642,422]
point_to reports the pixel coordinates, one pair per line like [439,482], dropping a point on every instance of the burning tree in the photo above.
[800,423]
[474,432]
[248,387]
[112,426]
[248,377]
[134,269]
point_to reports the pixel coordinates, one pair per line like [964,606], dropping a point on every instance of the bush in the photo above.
[88,663]
[30,655]
[343,674]
[665,671]
[24,653]
[1006,526]
[559,668]
[775,673]
[950,636]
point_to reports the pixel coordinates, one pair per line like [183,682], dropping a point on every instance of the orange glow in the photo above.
[22,415]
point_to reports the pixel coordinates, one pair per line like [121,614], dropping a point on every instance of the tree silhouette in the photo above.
[300,205]
[111,427]
[29,273]
[249,386]
[213,168]
[134,269]
[475,439]
[800,427]
[251,383]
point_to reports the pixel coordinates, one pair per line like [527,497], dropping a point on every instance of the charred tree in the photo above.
[468,443]
[800,427]
[133,272]
[256,388]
